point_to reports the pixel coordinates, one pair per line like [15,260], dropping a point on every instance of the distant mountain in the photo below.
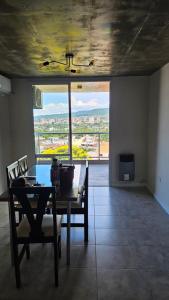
[85,113]
[92,112]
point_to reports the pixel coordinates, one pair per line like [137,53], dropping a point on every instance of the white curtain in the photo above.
[37,98]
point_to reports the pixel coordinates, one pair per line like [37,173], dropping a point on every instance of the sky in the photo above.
[56,103]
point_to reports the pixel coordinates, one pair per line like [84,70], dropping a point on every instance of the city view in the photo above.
[89,125]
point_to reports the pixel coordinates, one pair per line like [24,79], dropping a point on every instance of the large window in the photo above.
[90,118]
[73,121]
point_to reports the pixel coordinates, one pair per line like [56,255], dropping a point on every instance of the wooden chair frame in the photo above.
[23,164]
[36,235]
[12,172]
[80,210]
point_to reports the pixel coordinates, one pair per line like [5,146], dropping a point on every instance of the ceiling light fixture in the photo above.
[69,56]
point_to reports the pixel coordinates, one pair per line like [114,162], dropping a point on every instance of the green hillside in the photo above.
[85,113]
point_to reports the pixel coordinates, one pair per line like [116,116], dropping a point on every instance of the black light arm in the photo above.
[47,63]
[69,62]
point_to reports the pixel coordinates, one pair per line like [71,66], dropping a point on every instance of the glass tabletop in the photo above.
[42,177]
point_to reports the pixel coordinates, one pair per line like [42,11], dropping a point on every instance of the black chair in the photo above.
[79,207]
[23,164]
[35,226]
[12,172]
[23,168]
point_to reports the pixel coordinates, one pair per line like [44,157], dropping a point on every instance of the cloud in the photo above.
[77,104]
[87,104]
[52,108]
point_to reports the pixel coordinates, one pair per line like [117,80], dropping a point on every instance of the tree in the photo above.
[77,152]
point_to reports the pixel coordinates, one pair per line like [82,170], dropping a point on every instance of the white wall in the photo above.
[21,116]
[158,147]
[5,145]
[128,124]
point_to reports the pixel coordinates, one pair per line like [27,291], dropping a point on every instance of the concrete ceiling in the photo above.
[121,36]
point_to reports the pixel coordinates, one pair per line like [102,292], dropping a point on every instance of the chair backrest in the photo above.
[23,164]
[34,215]
[12,172]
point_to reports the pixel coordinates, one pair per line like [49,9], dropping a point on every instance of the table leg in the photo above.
[68,231]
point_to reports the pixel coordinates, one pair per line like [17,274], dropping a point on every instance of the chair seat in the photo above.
[33,204]
[74,204]
[23,228]
[32,200]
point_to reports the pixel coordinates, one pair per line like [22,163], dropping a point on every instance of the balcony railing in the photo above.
[90,145]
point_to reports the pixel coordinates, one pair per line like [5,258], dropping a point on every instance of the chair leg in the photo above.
[20,216]
[59,247]
[56,264]
[86,227]
[48,212]
[16,265]
[11,237]
[27,251]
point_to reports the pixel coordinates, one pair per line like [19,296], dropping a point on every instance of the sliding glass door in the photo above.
[90,120]
[52,122]
[72,121]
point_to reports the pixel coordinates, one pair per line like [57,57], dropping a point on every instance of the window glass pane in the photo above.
[51,123]
[90,118]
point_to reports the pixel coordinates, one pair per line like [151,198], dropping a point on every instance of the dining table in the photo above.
[39,174]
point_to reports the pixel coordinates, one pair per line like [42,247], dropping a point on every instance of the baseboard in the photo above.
[128,184]
[156,198]
[150,191]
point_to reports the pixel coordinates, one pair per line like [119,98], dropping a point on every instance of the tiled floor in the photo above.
[127,257]
[99,174]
